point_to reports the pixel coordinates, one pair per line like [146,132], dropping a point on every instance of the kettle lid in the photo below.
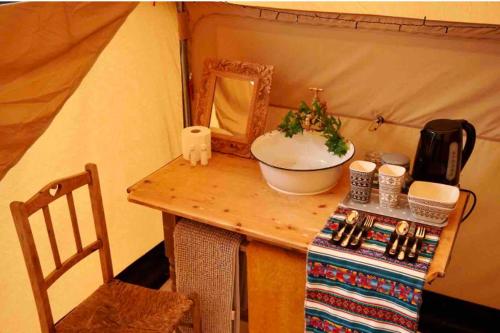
[444,125]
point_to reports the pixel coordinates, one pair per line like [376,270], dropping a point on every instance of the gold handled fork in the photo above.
[347,238]
[419,235]
[366,226]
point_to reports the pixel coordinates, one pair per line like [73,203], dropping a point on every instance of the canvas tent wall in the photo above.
[126,117]
[37,41]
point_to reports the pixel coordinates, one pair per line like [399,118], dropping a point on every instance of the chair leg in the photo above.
[196,312]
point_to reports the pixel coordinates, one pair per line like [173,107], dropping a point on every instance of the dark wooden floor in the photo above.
[150,270]
[439,313]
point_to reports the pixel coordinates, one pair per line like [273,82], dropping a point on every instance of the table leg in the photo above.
[169,221]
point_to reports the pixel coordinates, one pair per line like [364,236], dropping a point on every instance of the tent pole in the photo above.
[183,37]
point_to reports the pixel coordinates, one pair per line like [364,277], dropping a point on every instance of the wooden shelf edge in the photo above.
[261,237]
[445,245]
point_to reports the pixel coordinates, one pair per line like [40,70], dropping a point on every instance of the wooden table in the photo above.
[231,194]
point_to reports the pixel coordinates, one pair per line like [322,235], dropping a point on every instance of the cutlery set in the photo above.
[355,227]
[404,244]
[405,234]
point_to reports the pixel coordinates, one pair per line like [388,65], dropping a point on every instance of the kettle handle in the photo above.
[471,141]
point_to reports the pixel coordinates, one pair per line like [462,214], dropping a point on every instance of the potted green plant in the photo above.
[315,118]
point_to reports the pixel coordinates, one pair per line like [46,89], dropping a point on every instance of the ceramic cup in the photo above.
[361,180]
[390,179]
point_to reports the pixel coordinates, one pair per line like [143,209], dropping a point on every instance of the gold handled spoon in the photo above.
[350,220]
[401,230]
[409,234]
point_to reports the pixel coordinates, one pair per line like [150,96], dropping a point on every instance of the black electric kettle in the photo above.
[440,157]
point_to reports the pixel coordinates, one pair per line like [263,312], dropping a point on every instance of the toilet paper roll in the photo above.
[192,139]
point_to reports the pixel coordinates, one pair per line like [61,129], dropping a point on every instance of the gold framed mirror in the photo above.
[233,100]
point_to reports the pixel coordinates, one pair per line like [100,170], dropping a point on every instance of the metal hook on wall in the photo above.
[376,123]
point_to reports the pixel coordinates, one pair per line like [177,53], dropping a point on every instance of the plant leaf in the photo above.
[329,125]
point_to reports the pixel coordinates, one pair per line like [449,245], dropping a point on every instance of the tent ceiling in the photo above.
[469,12]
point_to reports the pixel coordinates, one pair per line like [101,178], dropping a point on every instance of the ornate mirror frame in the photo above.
[261,75]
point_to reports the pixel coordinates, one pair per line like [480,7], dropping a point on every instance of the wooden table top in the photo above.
[231,194]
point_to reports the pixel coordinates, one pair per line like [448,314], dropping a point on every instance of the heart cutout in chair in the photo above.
[54,190]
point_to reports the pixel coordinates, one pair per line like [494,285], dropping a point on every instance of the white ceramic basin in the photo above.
[300,165]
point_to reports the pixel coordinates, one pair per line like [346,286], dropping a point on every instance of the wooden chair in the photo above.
[115,306]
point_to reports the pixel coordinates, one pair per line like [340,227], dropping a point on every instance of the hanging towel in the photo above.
[206,262]
[362,290]
[276,280]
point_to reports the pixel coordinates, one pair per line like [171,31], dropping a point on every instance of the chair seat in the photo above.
[121,307]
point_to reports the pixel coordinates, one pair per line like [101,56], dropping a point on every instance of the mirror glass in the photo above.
[231,106]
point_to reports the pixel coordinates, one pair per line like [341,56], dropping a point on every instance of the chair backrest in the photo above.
[21,211]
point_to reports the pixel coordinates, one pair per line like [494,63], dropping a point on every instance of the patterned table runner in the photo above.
[362,290]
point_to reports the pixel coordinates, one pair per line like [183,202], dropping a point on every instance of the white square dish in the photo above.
[434,194]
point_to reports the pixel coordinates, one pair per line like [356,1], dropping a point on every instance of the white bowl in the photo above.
[428,213]
[300,165]
[434,194]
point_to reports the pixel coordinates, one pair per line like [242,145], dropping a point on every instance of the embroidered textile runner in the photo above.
[349,291]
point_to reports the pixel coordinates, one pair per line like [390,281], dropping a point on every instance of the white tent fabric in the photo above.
[47,49]
[126,117]
[367,66]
